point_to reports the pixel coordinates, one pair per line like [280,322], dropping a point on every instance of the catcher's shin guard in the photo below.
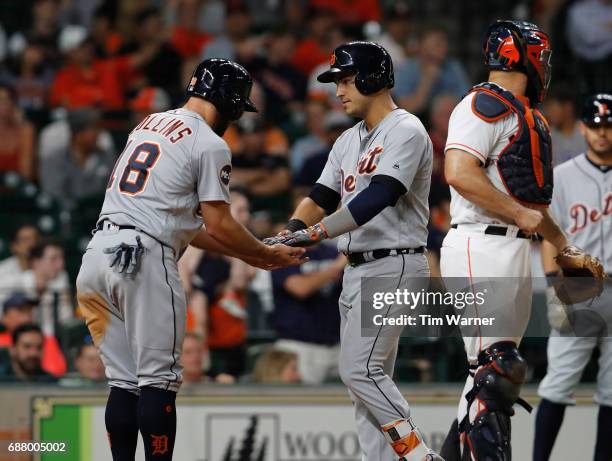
[497,384]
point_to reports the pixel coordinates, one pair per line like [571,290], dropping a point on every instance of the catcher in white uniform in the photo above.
[498,164]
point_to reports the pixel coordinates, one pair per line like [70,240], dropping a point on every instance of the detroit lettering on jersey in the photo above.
[170,127]
[582,214]
[398,147]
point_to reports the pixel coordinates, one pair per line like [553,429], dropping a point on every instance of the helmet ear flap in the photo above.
[372,81]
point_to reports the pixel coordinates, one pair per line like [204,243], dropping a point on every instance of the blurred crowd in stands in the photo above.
[77,75]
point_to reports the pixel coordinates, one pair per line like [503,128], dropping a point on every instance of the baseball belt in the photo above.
[501,230]
[358,258]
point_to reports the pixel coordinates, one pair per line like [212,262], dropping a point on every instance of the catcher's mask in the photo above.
[520,46]
[226,84]
[368,61]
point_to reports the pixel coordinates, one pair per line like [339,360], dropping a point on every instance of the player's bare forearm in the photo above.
[551,232]
[308,212]
[204,241]
[548,253]
[464,172]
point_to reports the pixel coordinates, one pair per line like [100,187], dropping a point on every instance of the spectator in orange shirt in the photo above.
[84,81]
[316,48]
[187,38]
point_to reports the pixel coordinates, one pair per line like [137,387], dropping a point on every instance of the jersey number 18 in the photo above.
[136,172]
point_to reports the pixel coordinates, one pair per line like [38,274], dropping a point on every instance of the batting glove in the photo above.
[302,238]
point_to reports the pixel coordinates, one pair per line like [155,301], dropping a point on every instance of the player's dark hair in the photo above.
[38,250]
[23,329]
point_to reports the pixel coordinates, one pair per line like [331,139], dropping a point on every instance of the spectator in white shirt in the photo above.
[44,281]
[24,237]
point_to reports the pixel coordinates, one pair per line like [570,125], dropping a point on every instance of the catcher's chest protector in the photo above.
[525,165]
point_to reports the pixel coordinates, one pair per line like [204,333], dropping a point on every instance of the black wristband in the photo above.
[295,225]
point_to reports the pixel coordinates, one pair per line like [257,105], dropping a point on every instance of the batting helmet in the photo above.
[597,110]
[369,61]
[225,84]
[520,46]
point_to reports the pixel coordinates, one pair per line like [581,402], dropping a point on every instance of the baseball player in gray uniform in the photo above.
[379,171]
[585,214]
[172,176]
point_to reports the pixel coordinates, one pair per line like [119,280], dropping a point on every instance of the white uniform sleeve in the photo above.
[403,154]
[214,170]
[331,175]
[469,133]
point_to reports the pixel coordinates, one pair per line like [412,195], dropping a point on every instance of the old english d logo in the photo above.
[159,444]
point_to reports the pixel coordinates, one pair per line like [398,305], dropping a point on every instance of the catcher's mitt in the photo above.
[583,276]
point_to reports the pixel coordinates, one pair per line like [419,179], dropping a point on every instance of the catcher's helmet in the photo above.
[520,46]
[369,61]
[597,110]
[225,84]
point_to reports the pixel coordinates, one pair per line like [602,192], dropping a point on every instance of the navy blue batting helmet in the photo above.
[369,61]
[597,110]
[226,84]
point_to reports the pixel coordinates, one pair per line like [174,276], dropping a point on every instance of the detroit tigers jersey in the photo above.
[172,161]
[582,206]
[398,147]
[485,141]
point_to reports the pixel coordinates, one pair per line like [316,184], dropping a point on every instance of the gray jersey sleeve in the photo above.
[213,167]
[331,174]
[403,154]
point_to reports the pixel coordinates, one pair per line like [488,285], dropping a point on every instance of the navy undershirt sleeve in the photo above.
[382,192]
